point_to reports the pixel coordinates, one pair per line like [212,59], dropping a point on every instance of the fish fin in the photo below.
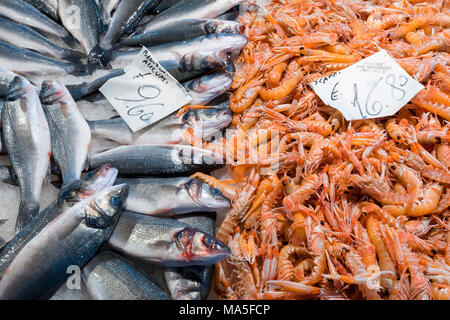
[27,211]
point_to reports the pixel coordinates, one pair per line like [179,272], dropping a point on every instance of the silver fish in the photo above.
[125,17]
[192,283]
[27,140]
[26,14]
[172,196]
[49,7]
[158,160]
[206,88]
[170,130]
[191,9]
[87,27]
[108,276]
[90,184]
[222,42]
[6,78]
[69,131]
[165,241]
[71,239]
[26,61]
[182,30]
[25,37]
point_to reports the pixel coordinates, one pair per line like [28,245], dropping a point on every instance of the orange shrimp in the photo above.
[285,88]
[274,76]
[285,267]
[227,191]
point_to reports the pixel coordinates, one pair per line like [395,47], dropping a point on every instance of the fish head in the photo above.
[228,42]
[205,196]
[97,180]
[203,60]
[106,205]
[52,91]
[199,247]
[206,88]
[223,26]
[18,88]
[208,121]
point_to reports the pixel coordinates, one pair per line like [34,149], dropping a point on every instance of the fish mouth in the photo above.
[221,120]
[199,248]
[231,42]
[100,179]
[51,91]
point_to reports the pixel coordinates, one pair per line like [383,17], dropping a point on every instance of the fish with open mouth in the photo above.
[158,160]
[165,241]
[204,89]
[108,276]
[170,130]
[72,239]
[181,30]
[69,131]
[93,182]
[85,24]
[26,14]
[192,283]
[27,139]
[172,196]
[190,9]
[125,17]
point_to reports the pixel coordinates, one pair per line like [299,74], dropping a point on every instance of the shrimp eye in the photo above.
[322,222]
[438,140]
[433,251]
[398,137]
[393,167]
[284,182]
[350,187]
[398,277]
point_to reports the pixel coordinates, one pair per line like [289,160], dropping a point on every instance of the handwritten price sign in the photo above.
[371,88]
[146,92]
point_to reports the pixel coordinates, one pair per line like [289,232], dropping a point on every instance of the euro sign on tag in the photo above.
[145,93]
[374,87]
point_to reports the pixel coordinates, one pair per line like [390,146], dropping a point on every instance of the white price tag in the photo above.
[371,88]
[146,92]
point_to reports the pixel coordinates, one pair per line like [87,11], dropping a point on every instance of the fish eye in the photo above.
[116,201]
[216,192]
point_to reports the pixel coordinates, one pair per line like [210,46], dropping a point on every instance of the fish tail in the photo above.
[100,55]
[27,211]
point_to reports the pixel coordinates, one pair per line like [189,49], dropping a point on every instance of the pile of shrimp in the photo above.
[352,210]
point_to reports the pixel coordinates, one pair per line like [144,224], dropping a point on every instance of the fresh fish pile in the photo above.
[131,214]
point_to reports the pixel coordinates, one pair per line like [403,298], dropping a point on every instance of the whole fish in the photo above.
[49,7]
[191,9]
[182,30]
[221,42]
[25,37]
[88,25]
[107,7]
[169,130]
[172,196]
[165,241]
[26,14]
[126,15]
[27,140]
[206,88]
[26,61]
[192,283]
[69,131]
[90,184]
[158,160]
[108,276]
[72,239]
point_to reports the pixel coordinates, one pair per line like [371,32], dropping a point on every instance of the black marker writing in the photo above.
[374,108]
[396,92]
[334,93]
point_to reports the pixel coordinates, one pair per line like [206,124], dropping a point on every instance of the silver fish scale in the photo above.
[110,277]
